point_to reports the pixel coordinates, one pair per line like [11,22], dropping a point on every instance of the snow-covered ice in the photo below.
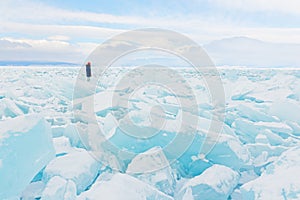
[122,186]
[216,182]
[59,188]
[78,166]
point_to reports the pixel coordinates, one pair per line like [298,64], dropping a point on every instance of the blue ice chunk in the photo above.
[33,191]
[295,126]
[9,109]
[285,110]
[253,114]
[246,130]
[71,132]
[245,96]
[275,131]
[25,148]
[261,153]
[230,152]
[57,131]
[152,167]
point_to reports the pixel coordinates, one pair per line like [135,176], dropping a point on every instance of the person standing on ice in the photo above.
[88,71]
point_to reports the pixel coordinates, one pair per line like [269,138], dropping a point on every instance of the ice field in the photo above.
[42,156]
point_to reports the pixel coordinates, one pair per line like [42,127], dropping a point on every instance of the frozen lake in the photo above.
[256,155]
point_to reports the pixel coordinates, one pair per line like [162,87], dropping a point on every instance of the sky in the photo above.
[67,31]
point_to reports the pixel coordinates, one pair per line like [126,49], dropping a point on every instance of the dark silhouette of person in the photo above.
[88,71]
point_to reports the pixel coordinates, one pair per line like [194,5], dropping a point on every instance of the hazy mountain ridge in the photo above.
[255,53]
[34,63]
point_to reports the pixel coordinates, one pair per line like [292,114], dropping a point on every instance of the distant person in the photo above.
[88,71]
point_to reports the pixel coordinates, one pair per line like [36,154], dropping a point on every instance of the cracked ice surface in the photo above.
[256,156]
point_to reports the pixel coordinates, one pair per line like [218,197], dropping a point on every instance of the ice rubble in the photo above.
[25,148]
[256,152]
[280,180]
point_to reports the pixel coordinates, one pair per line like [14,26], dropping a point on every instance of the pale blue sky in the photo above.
[266,17]
[76,27]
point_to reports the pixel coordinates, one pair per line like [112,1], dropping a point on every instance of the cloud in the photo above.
[287,7]
[201,34]
[68,31]
[59,38]
[40,13]
[43,50]
[38,19]
[8,44]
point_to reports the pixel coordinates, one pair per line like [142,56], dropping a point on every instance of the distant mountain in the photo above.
[244,51]
[35,63]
